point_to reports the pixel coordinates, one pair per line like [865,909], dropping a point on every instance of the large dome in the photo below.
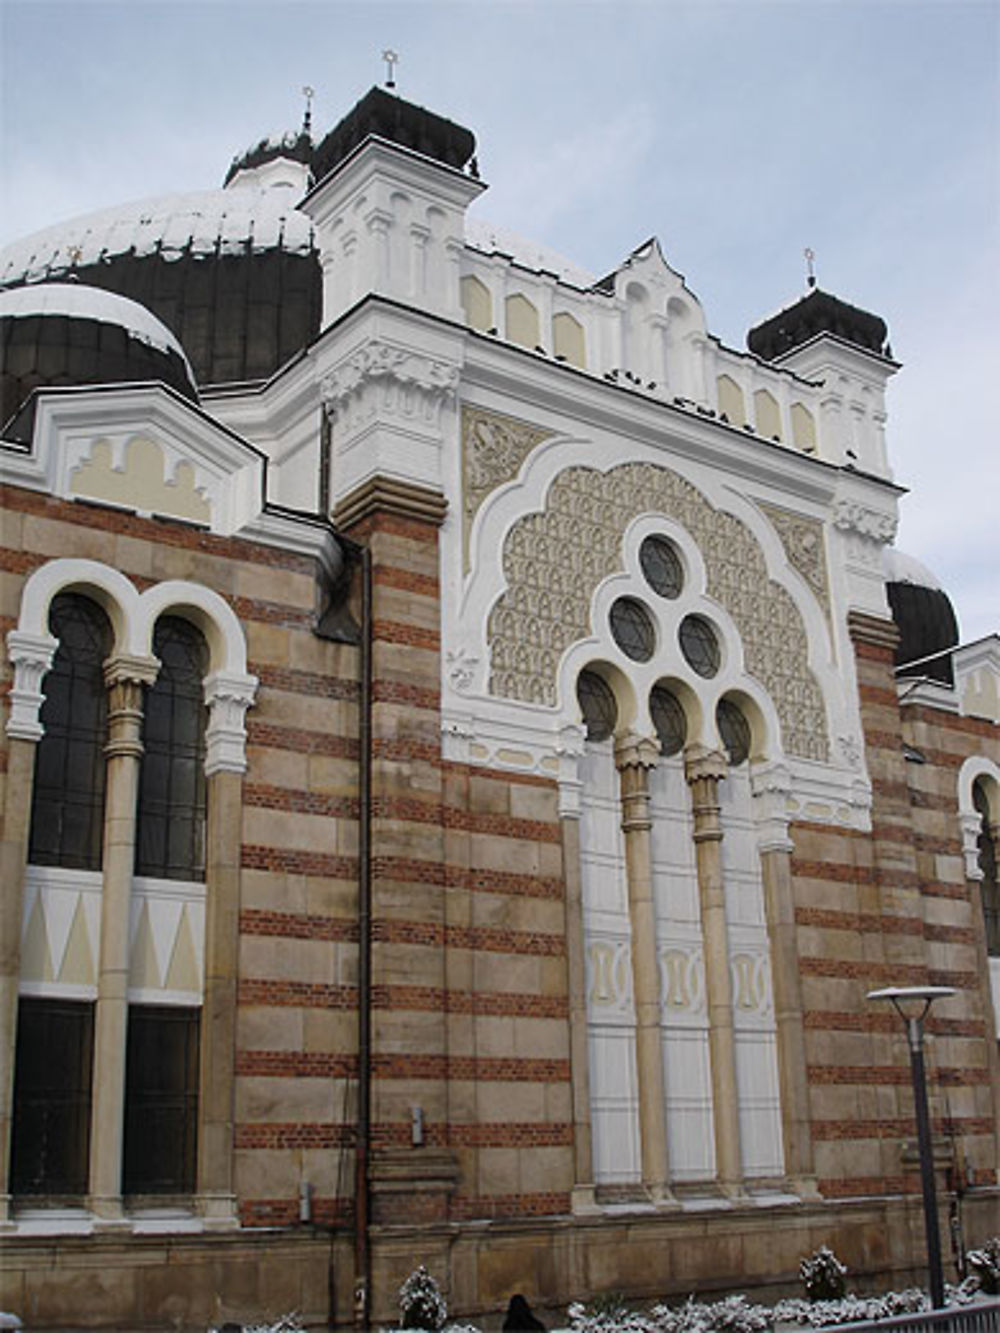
[233,273]
[57,333]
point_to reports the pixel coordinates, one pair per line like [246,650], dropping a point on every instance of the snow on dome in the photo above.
[902,568]
[204,223]
[483,235]
[77,301]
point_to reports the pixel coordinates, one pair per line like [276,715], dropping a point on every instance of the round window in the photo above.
[597,704]
[734,731]
[700,645]
[668,719]
[662,566]
[632,628]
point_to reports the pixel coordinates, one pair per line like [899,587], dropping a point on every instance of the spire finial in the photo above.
[391,61]
[810,269]
[307,120]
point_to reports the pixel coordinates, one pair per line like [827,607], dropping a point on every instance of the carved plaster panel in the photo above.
[554,560]
[802,539]
[493,449]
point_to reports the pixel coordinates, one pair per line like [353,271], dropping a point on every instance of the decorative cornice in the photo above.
[434,380]
[388,495]
[875,524]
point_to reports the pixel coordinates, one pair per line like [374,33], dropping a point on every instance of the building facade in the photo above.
[471,746]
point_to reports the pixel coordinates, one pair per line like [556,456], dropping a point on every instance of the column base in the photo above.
[662,1197]
[217,1211]
[805,1187]
[583,1201]
[108,1213]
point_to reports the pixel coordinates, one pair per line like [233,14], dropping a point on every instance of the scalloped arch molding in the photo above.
[553,561]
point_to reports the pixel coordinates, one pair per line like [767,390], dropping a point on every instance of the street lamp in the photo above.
[912,1004]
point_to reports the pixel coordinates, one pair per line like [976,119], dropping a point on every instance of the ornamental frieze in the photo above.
[493,449]
[802,539]
[553,561]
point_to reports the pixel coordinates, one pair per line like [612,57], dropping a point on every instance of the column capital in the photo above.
[228,696]
[771,786]
[130,668]
[633,751]
[32,656]
[972,825]
[700,762]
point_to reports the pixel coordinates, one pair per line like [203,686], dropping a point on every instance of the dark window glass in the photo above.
[662,566]
[67,801]
[597,704]
[989,888]
[161,1100]
[170,832]
[668,719]
[632,628]
[734,729]
[50,1143]
[699,645]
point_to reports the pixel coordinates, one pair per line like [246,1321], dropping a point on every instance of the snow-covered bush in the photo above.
[984,1266]
[823,1275]
[607,1314]
[850,1309]
[287,1323]
[421,1304]
[732,1315]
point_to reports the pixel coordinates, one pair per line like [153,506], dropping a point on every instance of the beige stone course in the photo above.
[288,1100]
[276,959]
[498,1171]
[261,1028]
[54,538]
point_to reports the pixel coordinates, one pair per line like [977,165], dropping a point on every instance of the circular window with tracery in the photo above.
[662,566]
[700,645]
[734,731]
[668,718]
[597,704]
[632,629]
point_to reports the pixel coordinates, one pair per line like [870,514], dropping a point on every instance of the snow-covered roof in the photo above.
[203,223]
[483,235]
[902,568]
[77,300]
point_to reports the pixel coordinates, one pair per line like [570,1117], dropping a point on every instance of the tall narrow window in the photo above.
[161,1100]
[988,865]
[51,1130]
[67,813]
[170,832]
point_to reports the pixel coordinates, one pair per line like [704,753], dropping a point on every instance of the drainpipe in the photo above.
[362,1251]
[337,624]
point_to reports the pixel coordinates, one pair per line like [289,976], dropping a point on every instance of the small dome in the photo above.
[818,312]
[58,333]
[923,614]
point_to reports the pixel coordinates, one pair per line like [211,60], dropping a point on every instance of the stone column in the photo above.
[704,770]
[971,827]
[771,785]
[634,757]
[32,656]
[125,676]
[228,696]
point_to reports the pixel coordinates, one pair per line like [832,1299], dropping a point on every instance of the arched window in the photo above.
[170,824]
[67,814]
[988,865]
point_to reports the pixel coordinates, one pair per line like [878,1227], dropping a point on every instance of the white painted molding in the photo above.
[228,696]
[32,656]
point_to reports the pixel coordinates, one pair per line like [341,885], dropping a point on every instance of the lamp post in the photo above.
[912,1003]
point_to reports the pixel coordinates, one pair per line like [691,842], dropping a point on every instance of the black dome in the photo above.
[924,616]
[816,313]
[54,334]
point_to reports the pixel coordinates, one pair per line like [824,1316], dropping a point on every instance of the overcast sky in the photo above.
[737,131]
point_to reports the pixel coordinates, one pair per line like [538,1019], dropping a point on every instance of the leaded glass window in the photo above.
[700,645]
[161,1100]
[67,800]
[170,832]
[668,719]
[989,888]
[662,566]
[632,628]
[51,1125]
[597,704]
[734,731]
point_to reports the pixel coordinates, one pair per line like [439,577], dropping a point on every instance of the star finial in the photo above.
[391,61]
[810,269]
